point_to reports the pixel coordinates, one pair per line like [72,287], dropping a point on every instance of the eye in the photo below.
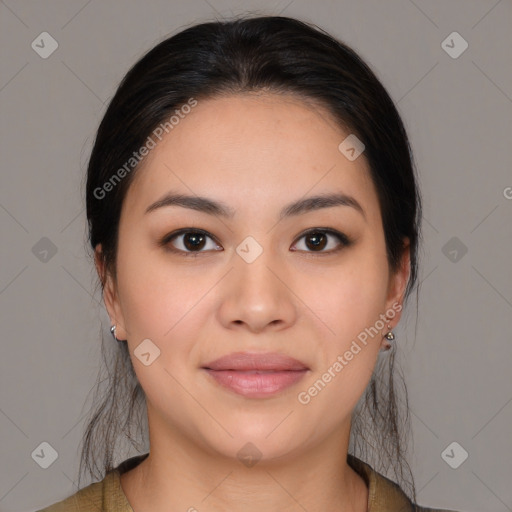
[190,241]
[317,239]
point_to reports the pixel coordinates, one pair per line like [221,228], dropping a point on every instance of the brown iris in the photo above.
[316,240]
[194,241]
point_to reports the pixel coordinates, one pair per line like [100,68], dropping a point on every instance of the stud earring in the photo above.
[390,336]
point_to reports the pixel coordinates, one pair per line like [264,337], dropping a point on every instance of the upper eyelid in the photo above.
[180,232]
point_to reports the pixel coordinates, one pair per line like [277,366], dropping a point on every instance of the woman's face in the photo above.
[254,281]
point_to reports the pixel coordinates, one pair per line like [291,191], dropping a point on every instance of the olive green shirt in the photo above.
[107,495]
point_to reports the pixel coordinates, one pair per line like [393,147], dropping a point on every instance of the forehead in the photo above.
[252,149]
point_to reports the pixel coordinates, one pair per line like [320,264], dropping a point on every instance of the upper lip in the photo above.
[246,361]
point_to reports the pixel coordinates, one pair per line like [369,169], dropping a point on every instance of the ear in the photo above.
[398,283]
[110,295]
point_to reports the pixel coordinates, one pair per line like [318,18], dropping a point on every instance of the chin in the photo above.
[250,444]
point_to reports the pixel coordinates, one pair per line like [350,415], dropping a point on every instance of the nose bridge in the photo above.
[256,295]
[253,276]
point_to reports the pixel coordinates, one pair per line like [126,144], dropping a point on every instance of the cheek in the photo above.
[158,299]
[350,297]
[349,300]
[352,303]
[162,304]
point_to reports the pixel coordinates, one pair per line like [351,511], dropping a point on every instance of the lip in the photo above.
[256,375]
[246,361]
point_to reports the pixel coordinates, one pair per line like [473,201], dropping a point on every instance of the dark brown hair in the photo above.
[251,54]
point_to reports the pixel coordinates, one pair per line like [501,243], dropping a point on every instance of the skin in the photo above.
[256,153]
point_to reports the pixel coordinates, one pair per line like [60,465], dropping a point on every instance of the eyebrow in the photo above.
[219,209]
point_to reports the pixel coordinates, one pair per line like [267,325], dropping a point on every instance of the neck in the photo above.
[179,474]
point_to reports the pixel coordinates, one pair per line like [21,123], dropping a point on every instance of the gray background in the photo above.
[459,115]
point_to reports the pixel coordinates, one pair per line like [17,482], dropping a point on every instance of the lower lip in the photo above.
[256,385]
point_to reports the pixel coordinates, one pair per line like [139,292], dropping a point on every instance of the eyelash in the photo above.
[344,240]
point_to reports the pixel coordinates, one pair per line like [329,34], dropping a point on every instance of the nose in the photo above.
[257,296]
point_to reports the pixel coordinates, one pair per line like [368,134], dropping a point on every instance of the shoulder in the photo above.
[88,498]
[104,496]
[384,495]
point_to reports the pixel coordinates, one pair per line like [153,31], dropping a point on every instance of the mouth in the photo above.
[255,383]
[256,375]
[247,361]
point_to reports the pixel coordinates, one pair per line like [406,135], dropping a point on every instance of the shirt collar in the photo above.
[384,495]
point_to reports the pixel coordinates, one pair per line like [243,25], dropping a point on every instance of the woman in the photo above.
[254,216]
